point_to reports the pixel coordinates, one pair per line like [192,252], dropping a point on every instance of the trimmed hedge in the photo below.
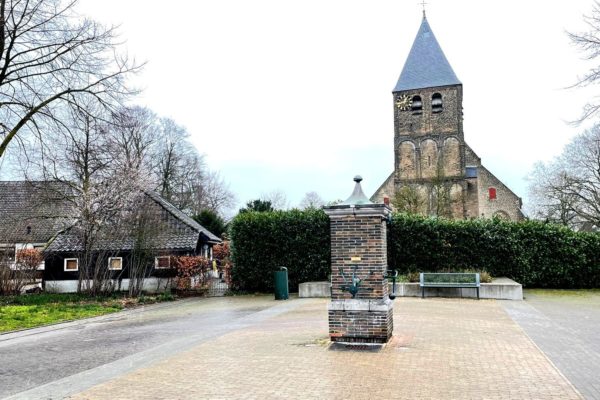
[530,252]
[263,241]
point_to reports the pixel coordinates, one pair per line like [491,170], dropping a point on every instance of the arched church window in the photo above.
[417,105]
[437,105]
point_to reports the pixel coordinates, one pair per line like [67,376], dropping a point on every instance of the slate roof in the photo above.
[426,65]
[69,241]
[32,212]
[183,217]
[169,229]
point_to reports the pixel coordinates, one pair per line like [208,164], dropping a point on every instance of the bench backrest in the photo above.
[449,279]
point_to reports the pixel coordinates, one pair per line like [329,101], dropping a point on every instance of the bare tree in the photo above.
[144,226]
[549,197]
[278,199]
[311,200]
[160,150]
[174,154]
[50,57]
[440,201]
[99,189]
[567,190]
[212,194]
[134,135]
[588,43]
[582,158]
[408,200]
[18,268]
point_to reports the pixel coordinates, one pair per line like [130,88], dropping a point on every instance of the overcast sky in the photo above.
[296,96]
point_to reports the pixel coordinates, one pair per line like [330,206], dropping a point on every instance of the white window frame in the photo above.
[110,263]
[70,259]
[156,263]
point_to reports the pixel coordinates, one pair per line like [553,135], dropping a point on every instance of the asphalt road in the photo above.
[54,362]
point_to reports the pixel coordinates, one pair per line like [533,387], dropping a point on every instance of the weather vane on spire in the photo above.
[423,4]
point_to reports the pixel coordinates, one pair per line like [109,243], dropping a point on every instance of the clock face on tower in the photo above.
[403,103]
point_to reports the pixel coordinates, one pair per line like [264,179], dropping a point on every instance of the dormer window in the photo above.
[437,105]
[417,105]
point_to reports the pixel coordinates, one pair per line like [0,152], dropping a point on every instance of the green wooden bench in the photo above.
[448,280]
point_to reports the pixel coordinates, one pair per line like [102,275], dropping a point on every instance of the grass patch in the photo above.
[19,317]
[28,311]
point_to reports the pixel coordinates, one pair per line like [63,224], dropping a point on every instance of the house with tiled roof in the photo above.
[31,214]
[37,215]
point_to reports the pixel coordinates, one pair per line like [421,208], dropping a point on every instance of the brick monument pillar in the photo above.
[360,310]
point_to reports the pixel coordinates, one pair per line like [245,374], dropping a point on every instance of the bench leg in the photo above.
[477,293]
[423,292]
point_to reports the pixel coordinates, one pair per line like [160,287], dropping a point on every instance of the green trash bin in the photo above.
[282,291]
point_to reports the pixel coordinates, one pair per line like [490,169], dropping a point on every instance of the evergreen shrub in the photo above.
[263,241]
[533,253]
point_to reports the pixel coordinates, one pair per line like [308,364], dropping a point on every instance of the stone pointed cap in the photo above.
[358,196]
[426,65]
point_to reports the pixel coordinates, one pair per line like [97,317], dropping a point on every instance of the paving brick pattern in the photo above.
[442,349]
[565,326]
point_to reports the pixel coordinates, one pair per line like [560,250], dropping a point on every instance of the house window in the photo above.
[436,103]
[492,193]
[115,263]
[162,262]
[71,264]
[471,172]
[417,105]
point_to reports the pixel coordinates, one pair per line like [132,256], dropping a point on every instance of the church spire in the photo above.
[426,65]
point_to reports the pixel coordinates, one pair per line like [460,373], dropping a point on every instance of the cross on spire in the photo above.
[423,4]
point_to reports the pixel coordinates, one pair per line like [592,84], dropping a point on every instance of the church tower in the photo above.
[429,149]
[435,171]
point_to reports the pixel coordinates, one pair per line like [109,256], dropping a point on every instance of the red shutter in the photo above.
[492,193]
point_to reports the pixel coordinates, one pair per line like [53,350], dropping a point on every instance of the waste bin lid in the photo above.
[282,268]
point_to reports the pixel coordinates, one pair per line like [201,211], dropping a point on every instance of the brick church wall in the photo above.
[506,204]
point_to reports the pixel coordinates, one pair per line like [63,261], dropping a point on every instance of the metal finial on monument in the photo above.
[358,196]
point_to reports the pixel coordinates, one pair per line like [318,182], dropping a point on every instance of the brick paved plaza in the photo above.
[442,348]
